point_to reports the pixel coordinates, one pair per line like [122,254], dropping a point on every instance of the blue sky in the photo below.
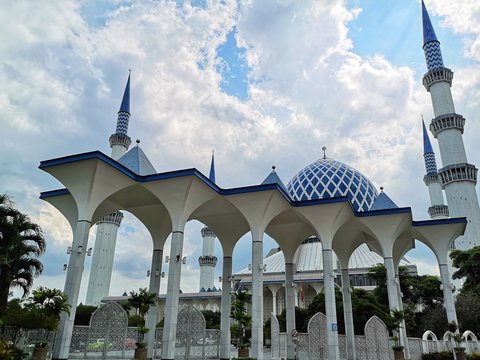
[262,82]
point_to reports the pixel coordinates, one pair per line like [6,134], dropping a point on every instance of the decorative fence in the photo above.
[26,340]
[109,337]
[374,345]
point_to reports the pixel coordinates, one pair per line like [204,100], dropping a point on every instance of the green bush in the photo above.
[444,355]
[9,352]
[475,356]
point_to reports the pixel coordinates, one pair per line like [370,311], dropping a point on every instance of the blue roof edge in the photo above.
[233,191]
[458,220]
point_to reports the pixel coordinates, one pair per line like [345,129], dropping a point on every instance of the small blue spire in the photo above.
[212,168]
[428,31]
[428,154]
[124,112]
[427,145]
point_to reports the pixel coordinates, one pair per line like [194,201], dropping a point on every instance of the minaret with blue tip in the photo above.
[120,141]
[107,227]
[438,209]
[457,177]
[208,260]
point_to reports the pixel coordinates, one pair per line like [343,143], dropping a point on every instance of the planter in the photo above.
[398,353]
[140,353]
[460,353]
[39,353]
[243,352]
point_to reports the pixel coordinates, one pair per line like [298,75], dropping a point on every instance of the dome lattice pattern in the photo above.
[327,178]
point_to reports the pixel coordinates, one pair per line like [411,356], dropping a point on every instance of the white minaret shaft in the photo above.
[208,260]
[107,227]
[438,209]
[457,177]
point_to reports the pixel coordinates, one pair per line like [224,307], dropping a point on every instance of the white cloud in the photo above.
[63,82]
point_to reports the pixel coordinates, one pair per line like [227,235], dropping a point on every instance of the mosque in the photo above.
[330,222]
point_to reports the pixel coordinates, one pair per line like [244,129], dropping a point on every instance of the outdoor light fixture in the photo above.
[163,274]
[148,273]
[219,279]
[79,249]
[167,259]
[157,273]
[249,266]
[89,252]
[69,250]
[65,267]
[184,260]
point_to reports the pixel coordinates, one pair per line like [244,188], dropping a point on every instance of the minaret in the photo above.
[437,210]
[208,260]
[457,177]
[107,227]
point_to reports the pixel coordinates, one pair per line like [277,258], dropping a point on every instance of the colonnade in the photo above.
[97,185]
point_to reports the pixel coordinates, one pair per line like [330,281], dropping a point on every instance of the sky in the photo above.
[262,82]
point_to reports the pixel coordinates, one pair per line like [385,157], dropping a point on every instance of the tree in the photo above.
[468,264]
[141,301]
[21,242]
[239,313]
[52,301]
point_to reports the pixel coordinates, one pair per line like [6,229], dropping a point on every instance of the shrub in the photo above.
[9,352]
[475,356]
[444,355]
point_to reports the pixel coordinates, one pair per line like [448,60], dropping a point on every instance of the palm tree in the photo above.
[21,242]
[142,301]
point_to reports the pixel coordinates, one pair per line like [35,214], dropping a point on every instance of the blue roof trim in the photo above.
[404,210]
[459,220]
[428,31]
[241,190]
[427,145]
[53,193]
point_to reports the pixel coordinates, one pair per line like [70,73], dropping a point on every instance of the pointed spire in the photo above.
[124,112]
[427,145]
[273,178]
[431,46]
[211,176]
[428,31]
[428,154]
[125,106]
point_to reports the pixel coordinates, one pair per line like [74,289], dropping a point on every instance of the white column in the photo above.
[173,290]
[290,308]
[330,306]
[448,294]
[256,350]
[348,315]
[274,302]
[73,280]
[226,305]
[154,287]
[391,284]
[403,326]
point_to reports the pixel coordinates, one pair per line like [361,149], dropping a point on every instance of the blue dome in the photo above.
[327,178]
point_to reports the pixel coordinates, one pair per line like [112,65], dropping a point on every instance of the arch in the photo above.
[429,342]
[377,339]
[224,219]
[469,336]
[317,335]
